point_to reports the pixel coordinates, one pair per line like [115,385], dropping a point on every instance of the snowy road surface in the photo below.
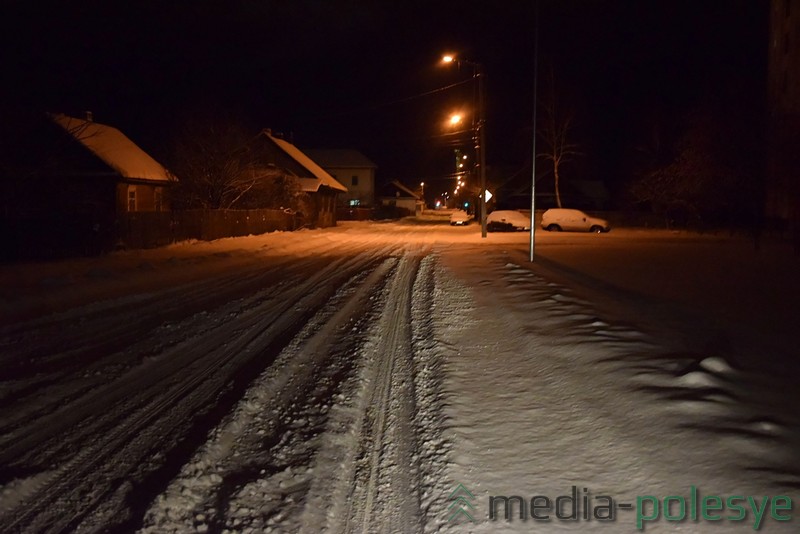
[349,379]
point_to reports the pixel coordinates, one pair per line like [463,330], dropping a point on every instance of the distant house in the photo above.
[68,181]
[322,188]
[396,197]
[351,168]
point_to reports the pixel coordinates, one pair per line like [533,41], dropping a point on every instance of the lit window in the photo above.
[355,202]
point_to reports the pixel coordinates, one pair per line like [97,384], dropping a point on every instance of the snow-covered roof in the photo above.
[309,185]
[395,185]
[113,148]
[340,158]
[316,171]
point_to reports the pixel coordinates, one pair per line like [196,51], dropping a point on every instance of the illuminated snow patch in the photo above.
[716,364]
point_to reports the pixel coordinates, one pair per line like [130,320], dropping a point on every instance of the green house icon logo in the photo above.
[461,505]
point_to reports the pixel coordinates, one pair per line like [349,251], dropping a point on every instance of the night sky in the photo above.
[364,74]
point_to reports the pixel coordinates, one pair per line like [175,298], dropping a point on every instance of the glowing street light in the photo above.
[479,126]
[455,119]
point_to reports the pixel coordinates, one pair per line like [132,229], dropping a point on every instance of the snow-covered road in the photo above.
[347,380]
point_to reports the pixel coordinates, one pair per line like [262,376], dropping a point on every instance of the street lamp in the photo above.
[480,133]
[533,157]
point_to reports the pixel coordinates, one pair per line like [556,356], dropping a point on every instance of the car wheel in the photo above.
[554,228]
[596,229]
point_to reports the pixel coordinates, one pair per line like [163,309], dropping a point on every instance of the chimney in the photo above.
[89,116]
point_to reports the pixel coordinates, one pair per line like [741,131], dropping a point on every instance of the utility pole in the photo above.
[533,157]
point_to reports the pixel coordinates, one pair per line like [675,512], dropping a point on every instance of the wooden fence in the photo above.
[152,229]
[63,235]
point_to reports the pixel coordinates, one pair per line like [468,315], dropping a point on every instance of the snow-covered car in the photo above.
[507,221]
[460,218]
[558,219]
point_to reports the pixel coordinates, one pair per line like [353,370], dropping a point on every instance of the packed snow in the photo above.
[403,377]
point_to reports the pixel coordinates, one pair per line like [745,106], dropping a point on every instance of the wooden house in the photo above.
[320,187]
[69,180]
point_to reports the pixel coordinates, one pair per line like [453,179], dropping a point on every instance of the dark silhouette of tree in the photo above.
[707,177]
[214,164]
[219,166]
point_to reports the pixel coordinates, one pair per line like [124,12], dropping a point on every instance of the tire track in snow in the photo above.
[162,396]
[244,447]
[52,387]
[58,346]
[392,432]
[432,306]
[374,485]
[232,318]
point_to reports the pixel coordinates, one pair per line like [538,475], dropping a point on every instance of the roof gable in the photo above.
[393,188]
[114,149]
[307,163]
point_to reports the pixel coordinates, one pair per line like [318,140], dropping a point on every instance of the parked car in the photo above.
[460,218]
[558,219]
[507,221]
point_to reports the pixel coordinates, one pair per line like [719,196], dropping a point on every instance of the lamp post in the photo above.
[480,133]
[533,157]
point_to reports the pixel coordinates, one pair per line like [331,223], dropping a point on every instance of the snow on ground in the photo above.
[350,379]
[548,395]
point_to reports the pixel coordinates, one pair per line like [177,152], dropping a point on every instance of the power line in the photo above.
[376,106]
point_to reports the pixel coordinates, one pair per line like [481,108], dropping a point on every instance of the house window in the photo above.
[355,180]
[354,202]
[131,198]
[158,199]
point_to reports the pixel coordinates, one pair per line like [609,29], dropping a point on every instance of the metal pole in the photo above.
[533,171]
[480,147]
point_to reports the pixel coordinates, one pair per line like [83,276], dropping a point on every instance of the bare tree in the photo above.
[215,164]
[554,131]
[274,188]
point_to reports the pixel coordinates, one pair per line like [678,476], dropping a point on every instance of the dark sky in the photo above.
[348,73]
